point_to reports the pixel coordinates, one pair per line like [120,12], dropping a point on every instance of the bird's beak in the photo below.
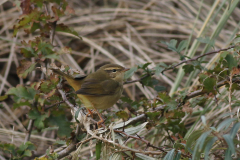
[126,69]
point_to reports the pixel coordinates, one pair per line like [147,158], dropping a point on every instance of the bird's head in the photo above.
[113,71]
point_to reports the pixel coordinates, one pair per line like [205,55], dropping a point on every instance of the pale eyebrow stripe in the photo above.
[111,68]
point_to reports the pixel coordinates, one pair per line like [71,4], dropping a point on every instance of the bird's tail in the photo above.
[75,82]
[61,73]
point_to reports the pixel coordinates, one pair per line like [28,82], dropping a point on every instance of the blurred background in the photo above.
[126,32]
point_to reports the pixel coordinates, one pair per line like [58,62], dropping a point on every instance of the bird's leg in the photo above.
[101,122]
[89,113]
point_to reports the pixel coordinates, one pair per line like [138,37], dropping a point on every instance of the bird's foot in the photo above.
[101,124]
[89,113]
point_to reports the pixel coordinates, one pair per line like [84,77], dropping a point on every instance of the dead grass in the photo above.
[123,32]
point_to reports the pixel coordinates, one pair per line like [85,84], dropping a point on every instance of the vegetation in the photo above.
[181,93]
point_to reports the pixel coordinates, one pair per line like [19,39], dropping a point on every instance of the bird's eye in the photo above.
[114,70]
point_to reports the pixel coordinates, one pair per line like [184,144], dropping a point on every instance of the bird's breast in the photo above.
[100,102]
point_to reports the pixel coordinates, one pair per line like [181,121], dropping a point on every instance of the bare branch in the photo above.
[29,130]
[197,57]
[182,62]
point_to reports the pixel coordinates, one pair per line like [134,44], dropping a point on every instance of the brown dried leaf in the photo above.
[69,10]
[26,6]
[235,70]
[50,93]
[187,108]
[25,68]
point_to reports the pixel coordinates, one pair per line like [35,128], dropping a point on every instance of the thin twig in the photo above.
[197,57]
[182,62]
[201,92]
[64,97]
[71,147]
[31,122]
[29,130]
[52,105]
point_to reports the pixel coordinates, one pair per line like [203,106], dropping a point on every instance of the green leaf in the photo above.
[2,98]
[61,142]
[172,45]
[182,45]
[231,62]
[153,115]
[164,97]
[47,86]
[9,148]
[209,84]
[98,149]
[28,52]
[45,48]
[115,156]
[63,28]
[204,120]
[49,129]
[147,81]
[130,72]
[38,118]
[158,70]
[52,56]
[23,147]
[16,105]
[64,126]
[199,145]
[122,114]
[33,114]
[234,130]
[28,146]
[170,155]
[126,99]
[208,147]
[178,155]
[25,68]
[206,40]
[76,114]
[34,27]
[39,121]
[144,66]
[192,138]
[228,154]
[27,153]
[201,140]
[202,77]
[144,157]
[159,88]
[225,124]
[26,21]
[27,93]
[230,143]
[171,105]
[134,130]
[188,68]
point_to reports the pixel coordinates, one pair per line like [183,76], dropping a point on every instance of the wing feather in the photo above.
[93,87]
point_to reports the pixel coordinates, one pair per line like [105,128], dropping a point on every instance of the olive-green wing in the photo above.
[93,87]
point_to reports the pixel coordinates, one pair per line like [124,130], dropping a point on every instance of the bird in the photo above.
[98,90]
